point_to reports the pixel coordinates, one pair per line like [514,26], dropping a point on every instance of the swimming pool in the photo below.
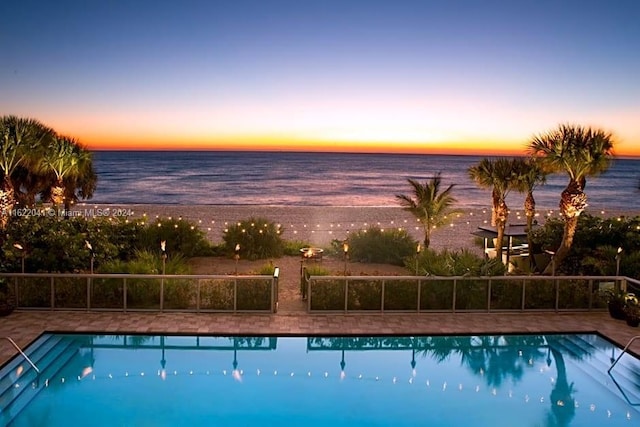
[107,380]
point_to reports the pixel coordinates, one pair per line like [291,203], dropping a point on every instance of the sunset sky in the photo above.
[449,76]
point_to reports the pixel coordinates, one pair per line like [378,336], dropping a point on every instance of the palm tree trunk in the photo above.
[57,193]
[427,236]
[7,201]
[572,204]
[530,212]
[501,215]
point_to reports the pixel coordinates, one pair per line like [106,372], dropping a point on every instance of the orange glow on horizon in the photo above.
[480,147]
[454,148]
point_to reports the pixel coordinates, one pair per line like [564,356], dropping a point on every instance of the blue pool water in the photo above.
[507,380]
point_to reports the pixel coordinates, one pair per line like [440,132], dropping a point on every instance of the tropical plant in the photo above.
[381,246]
[529,175]
[69,163]
[428,204]
[632,310]
[19,139]
[595,245]
[580,152]
[180,236]
[455,263]
[500,176]
[254,238]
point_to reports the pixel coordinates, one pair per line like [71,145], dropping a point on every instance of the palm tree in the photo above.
[19,139]
[529,175]
[580,152]
[69,162]
[499,175]
[428,204]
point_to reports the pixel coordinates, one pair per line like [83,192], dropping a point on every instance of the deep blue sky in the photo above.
[430,74]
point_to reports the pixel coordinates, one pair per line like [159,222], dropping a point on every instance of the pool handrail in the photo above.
[17,347]
[624,350]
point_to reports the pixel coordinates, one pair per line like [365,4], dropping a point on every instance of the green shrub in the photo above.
[145,293]
[328,295]
[364,295]
[181,236]
[375,245]
[595,245]
[401,295]
[292,247]
[454,263]
[311,270]
[267,269]
[254,295]
[57,244]
[258,238]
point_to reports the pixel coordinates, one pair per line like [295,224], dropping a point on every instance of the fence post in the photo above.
[590,294]
[88,293]
[124,294]
[161,295]
[197,295]
[307,286]
[53,294]
[557,293]
[419,290]
[382,298]
[15,293]
[453,303]
[346,294]
[489,296]
[524,293]
[235,295]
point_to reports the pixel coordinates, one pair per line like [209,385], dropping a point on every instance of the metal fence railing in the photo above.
[145,292]
[348,294]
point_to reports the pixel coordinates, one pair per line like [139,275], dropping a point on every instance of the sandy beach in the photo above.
[319,225]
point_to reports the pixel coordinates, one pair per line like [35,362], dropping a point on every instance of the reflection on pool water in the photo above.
[105,380]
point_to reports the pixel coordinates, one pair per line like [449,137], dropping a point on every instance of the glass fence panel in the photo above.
[70,292]
[144,294]
[471,294]
[254,294]
[506,295]
[540,294]
[180,294]
[327,295]
[216,295]
[107,293]
[574,294]
[365,295]
[34,292]
[436,295]
[401,295]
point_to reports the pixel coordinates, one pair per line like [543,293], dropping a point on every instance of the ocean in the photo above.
[323,179]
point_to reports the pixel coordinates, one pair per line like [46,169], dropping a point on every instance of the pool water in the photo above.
[506,380]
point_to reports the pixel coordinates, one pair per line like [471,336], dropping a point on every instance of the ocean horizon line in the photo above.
[240,151]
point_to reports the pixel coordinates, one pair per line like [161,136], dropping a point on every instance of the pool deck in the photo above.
[25,326]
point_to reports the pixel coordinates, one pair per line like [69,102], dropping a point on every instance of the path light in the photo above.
[163,249]
[418,250]
[618,256]
[91,253]
[237,256]
[345,248]
[19,247]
